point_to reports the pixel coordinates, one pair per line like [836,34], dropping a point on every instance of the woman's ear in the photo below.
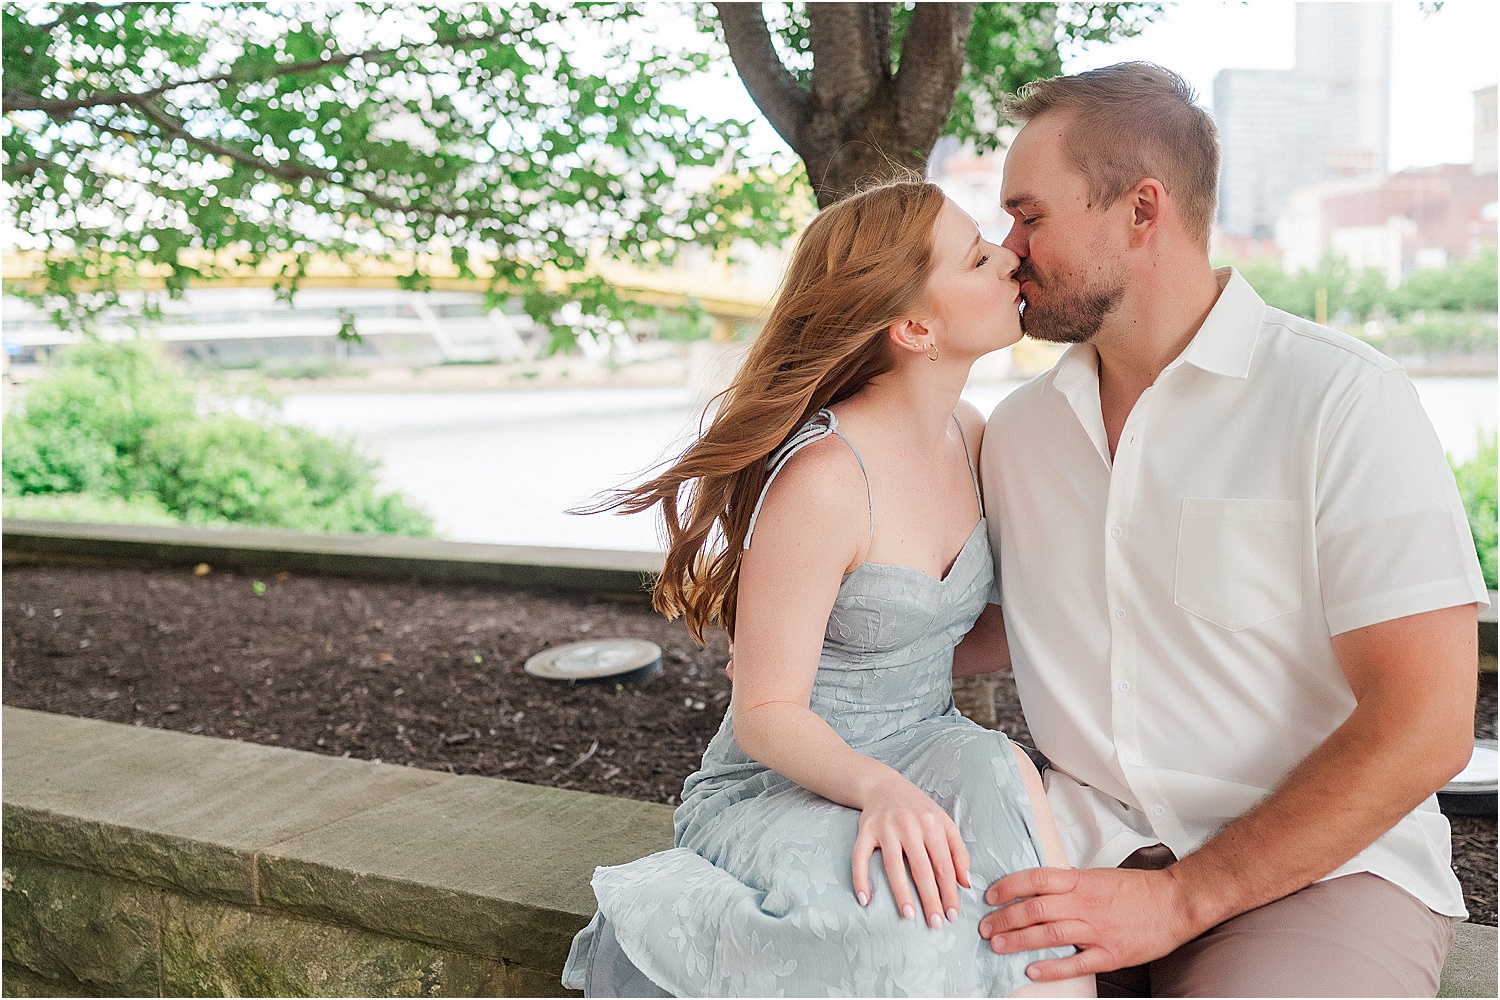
[911,335]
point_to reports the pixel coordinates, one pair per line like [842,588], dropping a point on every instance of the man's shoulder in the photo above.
[1025,395]
[1300,348]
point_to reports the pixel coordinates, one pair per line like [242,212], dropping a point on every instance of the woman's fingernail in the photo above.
[935,922]
[908,912]
[863,897]
[953,914]
[1031,973]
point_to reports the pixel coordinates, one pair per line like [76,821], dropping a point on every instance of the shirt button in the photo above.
[1115,533]
[1123,686]
[1158,810]
[1120,613]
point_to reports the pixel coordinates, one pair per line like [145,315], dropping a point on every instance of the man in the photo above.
[1238,586]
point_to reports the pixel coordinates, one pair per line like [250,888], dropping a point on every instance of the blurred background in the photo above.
[452,269]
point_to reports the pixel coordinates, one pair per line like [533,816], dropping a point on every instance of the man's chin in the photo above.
[1051,333]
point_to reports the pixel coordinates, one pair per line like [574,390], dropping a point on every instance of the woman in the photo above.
[833,526]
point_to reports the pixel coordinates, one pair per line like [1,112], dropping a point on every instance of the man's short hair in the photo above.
[1131,121]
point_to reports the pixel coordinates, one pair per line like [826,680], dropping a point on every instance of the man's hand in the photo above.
[1117,917]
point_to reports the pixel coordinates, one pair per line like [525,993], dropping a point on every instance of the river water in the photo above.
[504,467]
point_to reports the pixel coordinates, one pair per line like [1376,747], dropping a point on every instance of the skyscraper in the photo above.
[1328,116]
[1348,47]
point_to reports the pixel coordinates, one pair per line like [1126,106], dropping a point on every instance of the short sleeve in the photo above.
[1392,536]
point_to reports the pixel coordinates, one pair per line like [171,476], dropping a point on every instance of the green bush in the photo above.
[143,509]
[1461,286]
[1476,484]
[117,424]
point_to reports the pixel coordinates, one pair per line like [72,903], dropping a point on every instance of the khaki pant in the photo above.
[1353,936]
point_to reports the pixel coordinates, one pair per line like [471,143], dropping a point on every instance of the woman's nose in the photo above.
[1007,261]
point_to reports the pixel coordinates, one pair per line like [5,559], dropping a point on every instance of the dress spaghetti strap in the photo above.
[819,426]
[973,474]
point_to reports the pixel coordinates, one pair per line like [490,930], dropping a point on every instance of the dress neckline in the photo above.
[941,582]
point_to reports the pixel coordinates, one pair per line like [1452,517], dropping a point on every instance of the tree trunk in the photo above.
[860,122]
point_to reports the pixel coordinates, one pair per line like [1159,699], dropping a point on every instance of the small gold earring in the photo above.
[932,354]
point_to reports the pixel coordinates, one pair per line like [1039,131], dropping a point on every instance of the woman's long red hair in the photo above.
[861,265]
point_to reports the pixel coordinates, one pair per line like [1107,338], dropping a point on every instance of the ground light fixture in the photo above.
[1472,792]
[597,660]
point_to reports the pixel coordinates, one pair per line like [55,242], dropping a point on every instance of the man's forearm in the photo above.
[1374,769]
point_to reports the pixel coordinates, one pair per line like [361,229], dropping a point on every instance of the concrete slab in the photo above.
[358,555]
[176,810]
[1471,968]
[493,867]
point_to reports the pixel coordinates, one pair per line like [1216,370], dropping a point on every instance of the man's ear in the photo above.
[1147,201]
[910,334]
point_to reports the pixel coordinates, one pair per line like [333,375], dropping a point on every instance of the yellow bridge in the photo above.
[728,301]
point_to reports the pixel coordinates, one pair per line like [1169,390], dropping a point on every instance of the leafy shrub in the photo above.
[37,461]
[1476,484]
[143,509]
[117,423]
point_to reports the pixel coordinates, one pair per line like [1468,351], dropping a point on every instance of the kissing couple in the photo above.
[1218,545]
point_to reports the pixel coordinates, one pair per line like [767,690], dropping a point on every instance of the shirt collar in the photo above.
[1225,342]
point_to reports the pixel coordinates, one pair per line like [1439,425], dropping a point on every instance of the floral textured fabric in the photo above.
[757,897]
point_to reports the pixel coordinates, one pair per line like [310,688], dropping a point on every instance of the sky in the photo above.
[1437,60]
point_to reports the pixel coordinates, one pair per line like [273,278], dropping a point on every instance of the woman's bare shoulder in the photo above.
[824,472]
[817,501]
[972,422]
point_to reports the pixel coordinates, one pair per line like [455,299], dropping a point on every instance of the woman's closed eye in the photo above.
[984,259]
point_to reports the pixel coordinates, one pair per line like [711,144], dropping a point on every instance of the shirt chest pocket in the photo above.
[1239,562]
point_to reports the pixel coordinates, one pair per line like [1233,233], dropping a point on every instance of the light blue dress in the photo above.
[757,897]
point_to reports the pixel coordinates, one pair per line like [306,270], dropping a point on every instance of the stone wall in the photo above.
[146,863]
[139,862]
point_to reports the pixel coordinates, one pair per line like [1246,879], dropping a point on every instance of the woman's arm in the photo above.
[811,530]
[984,649]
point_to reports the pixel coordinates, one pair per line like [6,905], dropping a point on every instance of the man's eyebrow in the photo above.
[1016,201]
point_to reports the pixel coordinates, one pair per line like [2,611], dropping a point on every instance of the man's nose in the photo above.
[1015,242]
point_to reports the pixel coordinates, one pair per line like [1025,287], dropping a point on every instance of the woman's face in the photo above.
[974,303]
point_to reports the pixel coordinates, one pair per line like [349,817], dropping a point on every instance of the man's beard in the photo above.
[1067,315]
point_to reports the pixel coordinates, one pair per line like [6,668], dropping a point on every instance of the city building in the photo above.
[1417,218]
[1484,130]
[1328,116]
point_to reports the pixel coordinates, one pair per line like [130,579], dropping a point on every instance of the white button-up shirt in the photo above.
[1170,612]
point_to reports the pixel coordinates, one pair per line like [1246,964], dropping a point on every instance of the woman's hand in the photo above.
[903,822]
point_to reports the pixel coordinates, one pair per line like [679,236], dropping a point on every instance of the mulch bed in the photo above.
[422,673]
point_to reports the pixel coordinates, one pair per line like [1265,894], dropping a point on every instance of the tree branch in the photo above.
[288,171]
[59,108]
[771,85]
[72,12]
[846,63]
[880,15]
[932,65]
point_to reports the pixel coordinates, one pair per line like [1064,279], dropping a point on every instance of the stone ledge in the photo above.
[1471,968]
[29,541]
[477,866]
[144,862]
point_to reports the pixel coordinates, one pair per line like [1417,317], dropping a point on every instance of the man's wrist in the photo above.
[1203,899]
